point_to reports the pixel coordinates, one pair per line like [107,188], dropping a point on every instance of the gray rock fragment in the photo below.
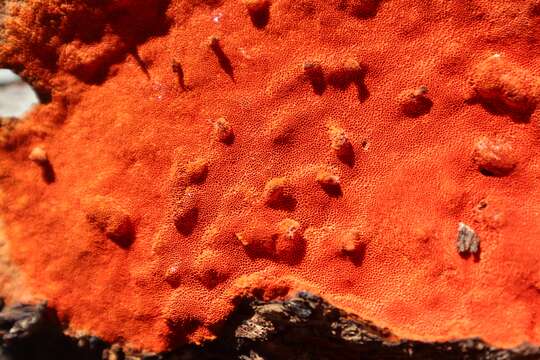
[468,241]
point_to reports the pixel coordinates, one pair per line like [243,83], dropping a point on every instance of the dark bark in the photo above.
[303,327]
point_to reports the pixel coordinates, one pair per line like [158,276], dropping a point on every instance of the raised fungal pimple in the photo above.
[172,275]
[196,171]
[282,241]
[277,193]
[414,102]
[7,127]
[288,239]
[422,90]
[314,73]
[468,241]
[185,213]
[325,178]
[223,131]
[257,242]
[352,66]
[38,155]
[214,42]
[351,69]
[352,244]
[339,141]
[504,87]
[312,68]
[242,238]
[179,71]
[329,182]
[255,6]
[494,157]
[211,269]
[105,214]
[184,174]
[350,241]
[259,11]
[348,72]
[86,60]
[360,8]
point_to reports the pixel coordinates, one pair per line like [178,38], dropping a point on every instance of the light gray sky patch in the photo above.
[16,96]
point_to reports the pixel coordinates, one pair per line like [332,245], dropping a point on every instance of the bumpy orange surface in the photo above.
[194,151]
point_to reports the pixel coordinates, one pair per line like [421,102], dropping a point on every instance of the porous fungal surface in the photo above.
[180,146]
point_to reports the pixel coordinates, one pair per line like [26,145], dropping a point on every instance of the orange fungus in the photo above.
[189,152]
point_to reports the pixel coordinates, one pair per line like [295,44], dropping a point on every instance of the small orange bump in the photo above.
[362,8]
[7,127]
[196,171]
[329,182]
[352,65]
[173,276]
[185,213]
[422,234]
[505,87]
[352,241]
[339,140]
[211,269]
[414,102]
[179,71]
[494,157]
[328,179]
[255,7]
[353,245]
[288,239]
[159,243]
[277,193]
[313,69]
[184,174]
[273,291]
[350,71]
[257,242]
[281,242]
[38,155]
[259,11]
[223,131]
[111,219]
[213,42]
[314,73]
[340,143]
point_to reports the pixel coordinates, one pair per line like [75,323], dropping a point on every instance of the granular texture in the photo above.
[203,150]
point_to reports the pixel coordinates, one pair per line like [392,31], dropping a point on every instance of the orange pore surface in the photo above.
[406,184]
